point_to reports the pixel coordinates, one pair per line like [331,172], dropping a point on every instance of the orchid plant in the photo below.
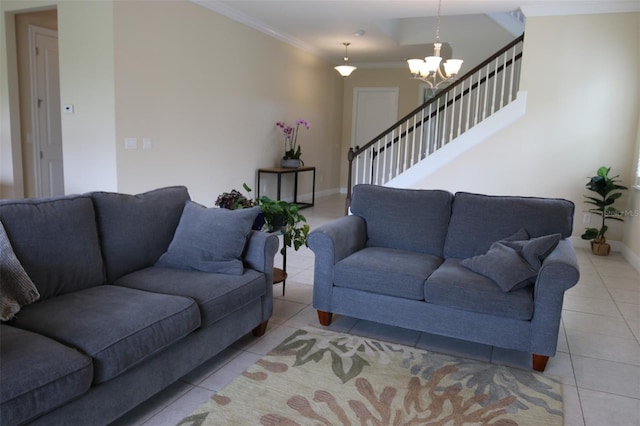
[291,148]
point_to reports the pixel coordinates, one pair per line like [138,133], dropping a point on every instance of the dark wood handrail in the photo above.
[443,93]
[352,154]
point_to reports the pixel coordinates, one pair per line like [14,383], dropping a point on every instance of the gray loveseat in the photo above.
[486,269]
[114,325]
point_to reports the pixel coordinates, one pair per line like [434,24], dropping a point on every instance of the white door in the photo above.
[45,97]
[374,110]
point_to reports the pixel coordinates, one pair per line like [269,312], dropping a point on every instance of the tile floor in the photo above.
[598,355]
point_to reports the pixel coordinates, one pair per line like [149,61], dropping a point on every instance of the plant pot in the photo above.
[290,163]
[600,248]
[279,222]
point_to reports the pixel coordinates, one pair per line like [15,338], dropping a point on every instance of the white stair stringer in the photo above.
[469,139]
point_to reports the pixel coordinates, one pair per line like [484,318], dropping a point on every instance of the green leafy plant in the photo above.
[279,216]
[235,199]
[286,218]
[605,187]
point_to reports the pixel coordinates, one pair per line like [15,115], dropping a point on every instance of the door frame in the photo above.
[34,31]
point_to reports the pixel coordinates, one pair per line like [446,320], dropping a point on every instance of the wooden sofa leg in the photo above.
[540,362]
[324,317]
[261,329]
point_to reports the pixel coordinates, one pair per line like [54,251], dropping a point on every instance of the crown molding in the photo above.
[585,8]
[258,25]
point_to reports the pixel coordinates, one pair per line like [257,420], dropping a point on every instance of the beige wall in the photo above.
[579,116]
[205,89]
[365,77]
[85,40]
[208,91]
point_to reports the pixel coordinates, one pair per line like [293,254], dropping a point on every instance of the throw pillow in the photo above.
[209,239]
[535,250]
[503,265]
[16,288]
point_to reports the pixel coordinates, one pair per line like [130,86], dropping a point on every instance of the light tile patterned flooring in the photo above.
[598,355]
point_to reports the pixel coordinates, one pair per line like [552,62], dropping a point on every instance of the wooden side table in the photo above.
[280,276]
[279,171]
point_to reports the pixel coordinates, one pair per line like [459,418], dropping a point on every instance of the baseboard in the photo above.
[631,257]
[616,246]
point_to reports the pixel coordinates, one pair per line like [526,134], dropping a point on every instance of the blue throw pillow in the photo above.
[512,263]
[16,288]
[210,239]
[535,250]
[503,265]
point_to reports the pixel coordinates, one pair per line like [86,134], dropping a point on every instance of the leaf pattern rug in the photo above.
[320,377]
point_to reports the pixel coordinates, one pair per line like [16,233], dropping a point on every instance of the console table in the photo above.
[279,171]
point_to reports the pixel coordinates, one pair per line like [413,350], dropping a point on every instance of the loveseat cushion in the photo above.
[386,271]
[217,295]
[56,242]
[455,286]
[403,219]
[38,374]
[136,229]
[477,221]
[117,326]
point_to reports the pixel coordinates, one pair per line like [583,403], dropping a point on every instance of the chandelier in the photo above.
[429,69]
[345,70]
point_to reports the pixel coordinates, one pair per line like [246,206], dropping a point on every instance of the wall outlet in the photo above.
[586,219]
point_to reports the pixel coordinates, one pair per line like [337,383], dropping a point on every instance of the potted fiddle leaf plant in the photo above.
[608,190]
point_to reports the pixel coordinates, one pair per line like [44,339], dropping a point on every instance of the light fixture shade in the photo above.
[345,70]
[432,63]
[452,66]
[415,65]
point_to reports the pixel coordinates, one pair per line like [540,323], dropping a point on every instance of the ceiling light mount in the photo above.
[345,70]
[429,70]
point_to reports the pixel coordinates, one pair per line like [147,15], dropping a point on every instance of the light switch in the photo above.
[67,108]
[130,143]
[146,143]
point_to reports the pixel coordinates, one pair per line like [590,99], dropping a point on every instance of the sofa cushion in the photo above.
[386,271]
[38,374]
[403,219]
[477,221]
[210,239]
[117,326]
[217,295]
[136,229]
[16,288]
[56,241]
[455,286]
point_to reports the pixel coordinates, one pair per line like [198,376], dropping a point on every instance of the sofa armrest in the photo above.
[331,243]
[559,272]
[260,251]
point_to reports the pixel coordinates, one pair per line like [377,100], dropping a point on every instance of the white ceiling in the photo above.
[397,29]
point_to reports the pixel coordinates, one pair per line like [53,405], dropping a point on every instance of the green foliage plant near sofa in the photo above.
[608,190]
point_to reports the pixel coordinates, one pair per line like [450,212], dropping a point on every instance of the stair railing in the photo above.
[451,112]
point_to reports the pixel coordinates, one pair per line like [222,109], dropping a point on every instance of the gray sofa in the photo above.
[122,313]
[485,269]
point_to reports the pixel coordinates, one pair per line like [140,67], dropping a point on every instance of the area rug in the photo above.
[320,377]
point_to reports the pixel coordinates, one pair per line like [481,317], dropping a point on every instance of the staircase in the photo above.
[458,108]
